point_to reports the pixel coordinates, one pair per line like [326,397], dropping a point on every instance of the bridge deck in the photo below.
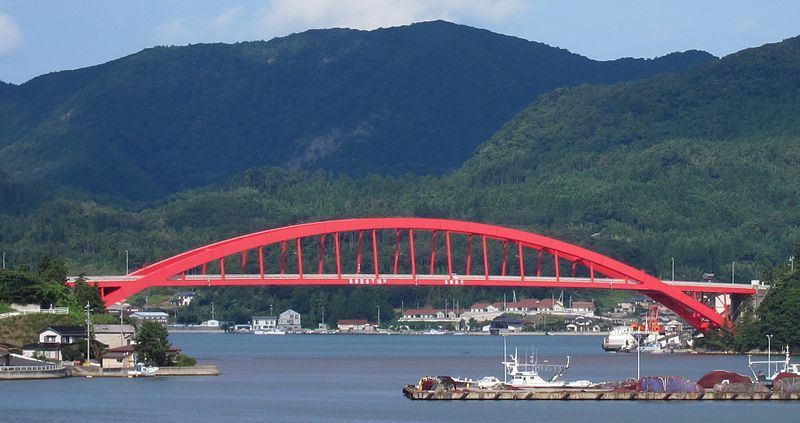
[407,279]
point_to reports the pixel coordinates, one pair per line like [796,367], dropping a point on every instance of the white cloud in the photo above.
[10,34]
[174,32]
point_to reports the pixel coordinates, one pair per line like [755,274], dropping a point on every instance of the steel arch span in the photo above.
[415,251]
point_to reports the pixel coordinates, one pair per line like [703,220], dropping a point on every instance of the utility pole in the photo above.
[4,259]
[673,269]
[379,316]
[88,330]
[733,272]
[127,271]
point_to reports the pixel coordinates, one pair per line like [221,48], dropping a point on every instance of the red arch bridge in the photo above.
[419,252]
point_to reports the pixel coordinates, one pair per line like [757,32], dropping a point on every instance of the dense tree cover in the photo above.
[777,315]
[152,344]
[415,99]
[44,286]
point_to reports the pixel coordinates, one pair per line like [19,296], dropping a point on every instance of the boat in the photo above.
[527,374]
[620,339]
[142,369]
[780,367]
[269,332]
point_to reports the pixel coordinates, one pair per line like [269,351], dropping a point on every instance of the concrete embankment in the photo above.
[412,393]
[32,372]
[162,371]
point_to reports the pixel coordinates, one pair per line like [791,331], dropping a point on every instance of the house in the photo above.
[114,336]
[289,320]
[355,325]
[151,316]
[52,339]
[422,314]
[484,308]
[585,308]
[504,324]
[264,322]
[123,357]
[673,326]
[182,298]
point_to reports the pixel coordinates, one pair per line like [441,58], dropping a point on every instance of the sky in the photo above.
[41,36]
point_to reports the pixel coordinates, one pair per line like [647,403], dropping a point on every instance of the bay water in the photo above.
[359,378]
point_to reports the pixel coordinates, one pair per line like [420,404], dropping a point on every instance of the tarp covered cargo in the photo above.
[718,376]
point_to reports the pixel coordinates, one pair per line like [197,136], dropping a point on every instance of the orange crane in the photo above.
[651,323]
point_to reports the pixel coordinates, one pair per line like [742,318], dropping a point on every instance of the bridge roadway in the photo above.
[423,280]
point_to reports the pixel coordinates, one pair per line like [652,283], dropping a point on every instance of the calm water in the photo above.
[359,379]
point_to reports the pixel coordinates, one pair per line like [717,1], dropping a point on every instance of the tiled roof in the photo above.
[351,322]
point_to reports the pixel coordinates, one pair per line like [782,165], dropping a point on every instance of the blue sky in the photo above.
[41,36]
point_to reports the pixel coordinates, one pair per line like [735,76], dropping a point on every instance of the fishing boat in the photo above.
[142,369]
[620,339]
[775,368]
[528,375]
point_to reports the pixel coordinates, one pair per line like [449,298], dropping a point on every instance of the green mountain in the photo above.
[413,99]
[702,165]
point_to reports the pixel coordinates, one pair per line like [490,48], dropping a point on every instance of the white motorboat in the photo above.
[142,369]
[269,332]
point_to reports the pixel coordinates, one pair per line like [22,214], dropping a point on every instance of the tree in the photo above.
[152,344]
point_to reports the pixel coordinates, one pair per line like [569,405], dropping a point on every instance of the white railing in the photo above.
[30,368]
[52,310]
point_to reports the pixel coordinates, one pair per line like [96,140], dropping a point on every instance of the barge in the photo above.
[413,393]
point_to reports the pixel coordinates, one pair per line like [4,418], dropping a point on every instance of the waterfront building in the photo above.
[355,325]
[264,322]
[428,315]
[123,357]
[289,320]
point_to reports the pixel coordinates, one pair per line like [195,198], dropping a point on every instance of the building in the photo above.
[53,339]
[584,308]
[124,309]
[264,322]
[355,325]
[182,298]
[123,357]
[289,320]
[149,316]
[483,308]
[113,336]
[428,315]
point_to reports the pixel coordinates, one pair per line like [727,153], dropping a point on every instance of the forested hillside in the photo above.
[415,99]
[702,166]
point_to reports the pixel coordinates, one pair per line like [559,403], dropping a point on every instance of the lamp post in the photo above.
[733,272]
[769,355]
[88,331]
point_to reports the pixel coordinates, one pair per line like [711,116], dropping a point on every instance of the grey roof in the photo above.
[114,329]
[149,314]
[68,330]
